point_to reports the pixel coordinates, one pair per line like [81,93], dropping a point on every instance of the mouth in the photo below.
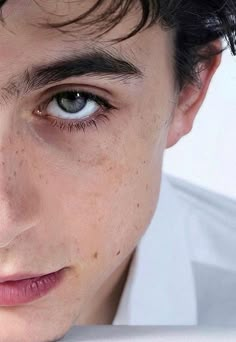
[21,288]
[19,276]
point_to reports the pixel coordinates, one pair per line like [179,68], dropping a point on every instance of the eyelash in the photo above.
[70,125]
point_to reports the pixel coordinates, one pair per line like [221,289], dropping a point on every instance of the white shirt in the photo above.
[184,268]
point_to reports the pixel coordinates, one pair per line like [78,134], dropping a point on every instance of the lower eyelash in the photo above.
[71,126]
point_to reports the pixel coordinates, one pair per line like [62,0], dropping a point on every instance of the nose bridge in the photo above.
[17,197]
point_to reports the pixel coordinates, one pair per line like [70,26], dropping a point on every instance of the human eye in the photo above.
[73,109]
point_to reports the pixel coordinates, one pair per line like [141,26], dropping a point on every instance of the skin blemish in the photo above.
[14,173]
[138,205]
[17,152]
[118,253]
[3,163]
[95,255]
[23,150]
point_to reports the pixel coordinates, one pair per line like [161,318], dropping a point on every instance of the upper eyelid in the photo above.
[53,91]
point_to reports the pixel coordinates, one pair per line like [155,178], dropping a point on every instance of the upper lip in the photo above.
[19,276]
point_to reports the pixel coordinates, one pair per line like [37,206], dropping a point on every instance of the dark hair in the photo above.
[197,24]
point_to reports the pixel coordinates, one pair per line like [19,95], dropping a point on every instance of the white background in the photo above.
[207,155]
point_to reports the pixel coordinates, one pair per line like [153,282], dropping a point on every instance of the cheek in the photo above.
[105,208]
[100,203]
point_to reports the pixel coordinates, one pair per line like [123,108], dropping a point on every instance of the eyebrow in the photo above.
[92,63]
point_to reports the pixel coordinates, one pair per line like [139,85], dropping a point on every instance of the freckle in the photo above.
[95,255]
[14,173]
[138,205]
[78,160]
[3,163]
[23,150]
[144,162]
[17,152]
[137,172]
[9,178]
[147,186]
[118,253]
[40,176]
[18,132]
[21,162]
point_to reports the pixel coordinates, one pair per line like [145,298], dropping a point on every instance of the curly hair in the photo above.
[197,24]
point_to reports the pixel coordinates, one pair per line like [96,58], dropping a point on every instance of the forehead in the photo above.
[24,26]
[33,15]
[23,37]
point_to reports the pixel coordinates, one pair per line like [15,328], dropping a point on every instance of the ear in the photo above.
[190,99]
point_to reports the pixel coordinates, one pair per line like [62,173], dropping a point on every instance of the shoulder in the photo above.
[200,198]
[210,229]
[209,224]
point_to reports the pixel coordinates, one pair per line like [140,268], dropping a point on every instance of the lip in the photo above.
[20,289]
[20,276]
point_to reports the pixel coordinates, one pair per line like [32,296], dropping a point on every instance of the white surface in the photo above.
[207,155]
[150,334]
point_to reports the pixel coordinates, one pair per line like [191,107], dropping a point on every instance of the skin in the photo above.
[82,200]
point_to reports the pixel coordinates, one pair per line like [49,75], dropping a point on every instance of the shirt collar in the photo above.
[160,287]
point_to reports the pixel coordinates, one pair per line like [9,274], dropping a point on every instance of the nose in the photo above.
[18,197]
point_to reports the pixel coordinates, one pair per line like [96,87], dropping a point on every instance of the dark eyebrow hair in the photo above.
[92,63]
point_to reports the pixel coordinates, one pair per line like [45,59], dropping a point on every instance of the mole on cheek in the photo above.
[95,255]
[118,253]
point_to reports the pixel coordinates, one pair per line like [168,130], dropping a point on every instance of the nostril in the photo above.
[2,2]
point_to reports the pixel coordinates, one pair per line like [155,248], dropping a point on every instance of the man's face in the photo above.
[78,199]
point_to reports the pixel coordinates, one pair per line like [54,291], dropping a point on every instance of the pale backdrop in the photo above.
[207,155]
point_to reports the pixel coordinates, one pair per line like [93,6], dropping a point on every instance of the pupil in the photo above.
[71,102]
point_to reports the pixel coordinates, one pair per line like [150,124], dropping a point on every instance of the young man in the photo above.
[91,95]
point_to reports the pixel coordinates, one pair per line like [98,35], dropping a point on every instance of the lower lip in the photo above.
[27,290]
